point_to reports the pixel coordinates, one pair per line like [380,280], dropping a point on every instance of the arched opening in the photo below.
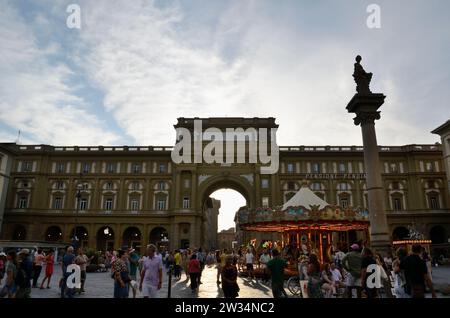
[438,235]
[53,234]
[132,237]
[81,234]
[160,237]
[20,233]
[400,233]
[105,239]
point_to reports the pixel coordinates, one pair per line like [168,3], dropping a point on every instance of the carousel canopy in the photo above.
[304,211]
[305,197]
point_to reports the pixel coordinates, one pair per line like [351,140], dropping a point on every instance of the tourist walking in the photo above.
[49,260]
[263,260]
[186,258]
[229,275]
[400,286]
[314,278]
[68,259]
[276,268]
[177,260]
[151,274]
[37,266]
[24,272]
[201,257]
[367,260]
[10,287]
[194,272]
[121,275]
[133,259]
[249,259]
[218,266]
[416,274]
[82,261]
[352,264]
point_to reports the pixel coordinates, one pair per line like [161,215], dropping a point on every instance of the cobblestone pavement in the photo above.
[100,285]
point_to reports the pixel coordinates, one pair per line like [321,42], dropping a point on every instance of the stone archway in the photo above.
[239,183]
[242,184]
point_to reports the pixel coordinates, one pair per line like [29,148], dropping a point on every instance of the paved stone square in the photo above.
[100,285]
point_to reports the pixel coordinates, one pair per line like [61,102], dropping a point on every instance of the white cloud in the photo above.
[36,95]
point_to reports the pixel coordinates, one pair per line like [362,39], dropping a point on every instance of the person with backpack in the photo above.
[24,272]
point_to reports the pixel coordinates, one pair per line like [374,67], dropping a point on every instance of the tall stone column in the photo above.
[365,106]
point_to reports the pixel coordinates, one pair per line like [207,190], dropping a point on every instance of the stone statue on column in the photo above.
[362,78]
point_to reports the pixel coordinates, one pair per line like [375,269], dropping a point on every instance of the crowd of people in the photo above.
[343,275]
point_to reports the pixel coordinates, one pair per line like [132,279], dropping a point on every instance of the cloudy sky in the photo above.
[135,66]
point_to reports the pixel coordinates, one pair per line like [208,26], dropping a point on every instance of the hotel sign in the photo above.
[331,176]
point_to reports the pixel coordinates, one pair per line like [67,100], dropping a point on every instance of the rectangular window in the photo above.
[136,168]
[60,167]
[265,183]
[186,203]
[265,202]
[429,166]
[434,203]
[59,185]
[393,167]
[161,205]
[344,203]
[290,168]
[86,167]
[134,205]
[342,167]
[343,186]
[27,166]
[108,204]
[162,168]
[397,204]
[23,202]
[135,186]
[109,186]
[110,167]
[316,186]
[57,203]
[316,167]
[161,185]
[83,204]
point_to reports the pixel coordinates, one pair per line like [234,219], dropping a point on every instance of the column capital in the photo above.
[365,106]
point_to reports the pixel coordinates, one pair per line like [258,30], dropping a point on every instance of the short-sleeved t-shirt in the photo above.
[415,268]
[276,267]
[177,259]
[152,266]
[81,260]
[67,260]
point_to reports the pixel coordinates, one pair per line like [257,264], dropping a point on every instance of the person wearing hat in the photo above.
[133,261]
[352,264]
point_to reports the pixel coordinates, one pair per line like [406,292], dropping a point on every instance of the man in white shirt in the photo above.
[249,262]
[151,274]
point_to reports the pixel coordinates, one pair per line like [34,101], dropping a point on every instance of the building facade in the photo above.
[128,195]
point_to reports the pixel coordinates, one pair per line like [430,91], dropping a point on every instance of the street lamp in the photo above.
[78,196]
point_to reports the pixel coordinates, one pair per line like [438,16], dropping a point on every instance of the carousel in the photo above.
[309,224]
